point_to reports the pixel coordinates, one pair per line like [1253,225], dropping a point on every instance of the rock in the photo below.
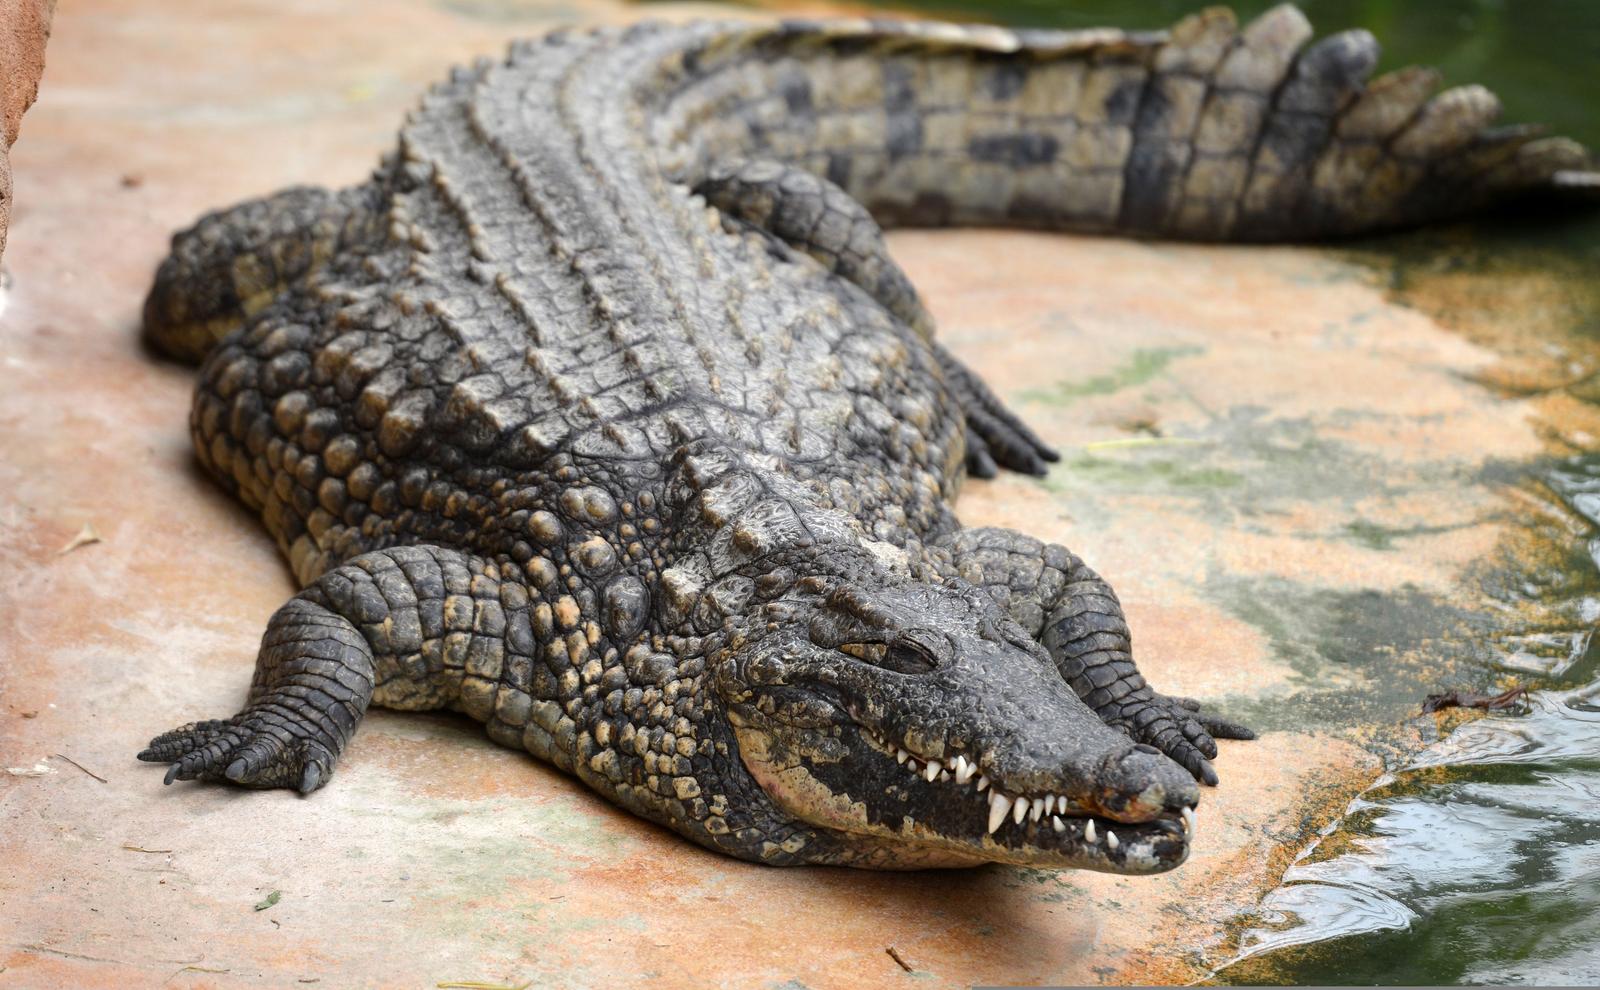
[24,29]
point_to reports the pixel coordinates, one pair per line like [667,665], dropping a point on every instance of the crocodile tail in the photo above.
[1205,132]
[234,262]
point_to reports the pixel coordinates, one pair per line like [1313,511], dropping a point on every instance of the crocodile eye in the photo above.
[872,653]
[908,657]
[901,656]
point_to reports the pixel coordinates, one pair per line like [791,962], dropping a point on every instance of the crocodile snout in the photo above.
[1141,784]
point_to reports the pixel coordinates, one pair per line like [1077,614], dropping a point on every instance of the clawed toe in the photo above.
[180,742]
[1221,728]
[241,753]
[980,463]
[996,438]
[1179,728]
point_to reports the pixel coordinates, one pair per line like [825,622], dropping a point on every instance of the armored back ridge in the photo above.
[602,414]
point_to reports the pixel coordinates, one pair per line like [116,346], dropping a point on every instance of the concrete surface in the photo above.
[1285,474]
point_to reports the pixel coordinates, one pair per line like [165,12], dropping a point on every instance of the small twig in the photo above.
[141,849]
[80,766]
[193,969]
[86,536]
[474,985]
[1467,699]
[895,955]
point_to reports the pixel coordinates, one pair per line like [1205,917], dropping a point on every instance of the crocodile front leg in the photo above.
[1074,613]
[409,627]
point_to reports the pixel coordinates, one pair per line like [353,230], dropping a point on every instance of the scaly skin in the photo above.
[602,415]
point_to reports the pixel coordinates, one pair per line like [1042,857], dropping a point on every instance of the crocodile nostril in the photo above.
[1143,784]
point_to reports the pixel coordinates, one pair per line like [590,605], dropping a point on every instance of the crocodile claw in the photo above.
[246,750]
[1187,735]
[996,438]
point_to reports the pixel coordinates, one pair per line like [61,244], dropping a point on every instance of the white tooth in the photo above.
[1051,802]
[1111,839]
[999,804]
[900,755]
[964,770]
[1037,811]
[983,784]
[1019,810]
[1188,819]
[944,775]
[1088,832]
[1057,824]
[932,771]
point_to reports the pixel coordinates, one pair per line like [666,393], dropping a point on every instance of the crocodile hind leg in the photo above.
[1074,613]
[232,263]
[817,218]
[409,627]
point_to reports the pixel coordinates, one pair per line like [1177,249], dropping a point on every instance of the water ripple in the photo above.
[1486,873]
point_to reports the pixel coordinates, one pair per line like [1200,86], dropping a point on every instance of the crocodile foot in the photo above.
[996,438]
[255,748]
[1180,729]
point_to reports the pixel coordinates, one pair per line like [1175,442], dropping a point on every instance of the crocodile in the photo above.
[601,414]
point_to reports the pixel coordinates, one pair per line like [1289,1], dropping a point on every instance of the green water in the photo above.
[1476,860]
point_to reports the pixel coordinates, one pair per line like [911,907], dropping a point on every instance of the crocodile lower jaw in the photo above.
[1021,827]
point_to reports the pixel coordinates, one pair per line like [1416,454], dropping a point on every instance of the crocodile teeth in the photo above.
[1057,824]
[900,756]
[999,804]
[1188,819]
[1111,840]
[1036,811]
[983,784]
[1019,811]
[932,771]
[1088,832]
[964,770]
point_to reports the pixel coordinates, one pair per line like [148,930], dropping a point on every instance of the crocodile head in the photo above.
[916,725]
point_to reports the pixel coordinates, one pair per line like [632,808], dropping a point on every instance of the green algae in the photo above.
[1142,366]
[1357,659]
[1374,536]
[1138,474]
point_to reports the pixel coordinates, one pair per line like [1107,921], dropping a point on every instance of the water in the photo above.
[1477,859]
[1476,862]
